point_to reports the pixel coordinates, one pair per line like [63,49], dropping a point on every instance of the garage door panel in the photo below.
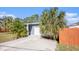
[35,30]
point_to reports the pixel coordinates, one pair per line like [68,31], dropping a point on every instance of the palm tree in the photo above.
[7,22]
[1,24]
[43,22]
[51,22]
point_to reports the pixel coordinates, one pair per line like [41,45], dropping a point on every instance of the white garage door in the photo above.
[35,30]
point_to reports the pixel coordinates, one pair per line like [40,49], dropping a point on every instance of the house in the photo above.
[33,28]
[75,25]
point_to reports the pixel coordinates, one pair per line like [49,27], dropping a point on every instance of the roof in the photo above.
[77,26]
[32,23]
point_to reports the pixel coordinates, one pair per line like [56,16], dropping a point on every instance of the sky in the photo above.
[72,13]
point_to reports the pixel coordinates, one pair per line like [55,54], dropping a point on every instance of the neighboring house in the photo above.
[75,25]
[33,28]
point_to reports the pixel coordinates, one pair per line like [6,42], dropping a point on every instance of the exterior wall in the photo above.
[69,36]
[74,26]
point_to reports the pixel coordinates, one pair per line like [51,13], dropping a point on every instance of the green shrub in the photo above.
[19,28]
[16,26]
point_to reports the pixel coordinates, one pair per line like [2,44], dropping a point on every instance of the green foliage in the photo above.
[31,19]
[51,22]
[15,26]
[19,28]
[8,22]
[1,23]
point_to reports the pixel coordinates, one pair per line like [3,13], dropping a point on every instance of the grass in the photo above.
[7,37]
[61,47]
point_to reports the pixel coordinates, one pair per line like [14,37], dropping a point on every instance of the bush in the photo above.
[13,25]
[19,28]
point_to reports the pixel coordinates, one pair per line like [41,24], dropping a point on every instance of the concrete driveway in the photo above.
[30,43]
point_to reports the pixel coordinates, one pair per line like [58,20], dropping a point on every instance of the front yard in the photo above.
[6,36]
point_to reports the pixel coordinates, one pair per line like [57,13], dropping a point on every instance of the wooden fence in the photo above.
[69,36]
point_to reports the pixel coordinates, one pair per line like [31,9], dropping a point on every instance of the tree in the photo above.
[43,23]
[8,23]
[51,22]
[31,19]
[1,25]
[15,26]
[19,28]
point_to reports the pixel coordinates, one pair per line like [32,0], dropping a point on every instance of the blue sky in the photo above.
[72,13]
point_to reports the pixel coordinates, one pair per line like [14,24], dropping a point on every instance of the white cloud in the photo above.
[72,18]
[71,14]
[6,14]
[11,15]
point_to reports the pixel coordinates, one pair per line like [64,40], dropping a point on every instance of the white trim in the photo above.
[74,26]
[31,23]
